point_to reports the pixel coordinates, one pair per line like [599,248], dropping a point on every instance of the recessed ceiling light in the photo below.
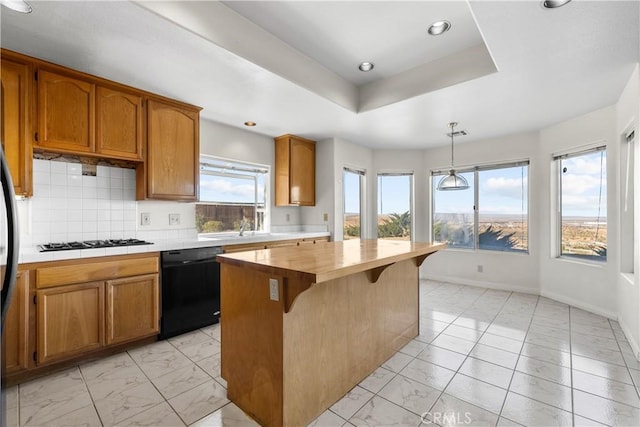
[249,123]
[439,27]
[552,4]
[17,5]
[366,66]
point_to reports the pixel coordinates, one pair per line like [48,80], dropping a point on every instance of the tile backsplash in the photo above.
[69,206]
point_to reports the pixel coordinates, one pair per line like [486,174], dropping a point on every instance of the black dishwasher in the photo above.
[190,290]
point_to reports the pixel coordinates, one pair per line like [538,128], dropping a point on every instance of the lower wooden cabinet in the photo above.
[70,320]
[132,308]
[15,339]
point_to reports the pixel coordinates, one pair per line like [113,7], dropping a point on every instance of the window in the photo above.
[352,202]
[492,214]
[394,205]
[583,204]
[231,193]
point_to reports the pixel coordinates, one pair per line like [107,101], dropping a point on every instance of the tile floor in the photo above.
[483,357]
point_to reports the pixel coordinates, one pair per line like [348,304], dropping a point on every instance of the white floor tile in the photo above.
[351,402]
[605,411]
[529,412]
[378,379]
[608,389]
[428,374]
[541,390]
[477,392]
[381,412]
[450,411]
[495,355]
[442,357]
[410,394]
[487,372]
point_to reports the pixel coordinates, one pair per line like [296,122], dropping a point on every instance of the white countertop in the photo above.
[31,254]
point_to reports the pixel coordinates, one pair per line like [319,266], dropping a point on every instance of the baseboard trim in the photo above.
[629,336]
[480,284]
[579,304]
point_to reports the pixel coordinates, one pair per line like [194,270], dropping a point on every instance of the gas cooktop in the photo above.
[91,244]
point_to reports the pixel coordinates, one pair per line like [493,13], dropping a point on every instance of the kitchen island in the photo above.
[301,326]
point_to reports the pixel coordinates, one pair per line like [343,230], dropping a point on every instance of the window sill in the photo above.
[597,264]
[629,277]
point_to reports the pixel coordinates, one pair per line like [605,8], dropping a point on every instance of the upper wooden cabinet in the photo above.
[16,84]
[173,152]
[81,117]
[66,113]
[119,123]
[295,167]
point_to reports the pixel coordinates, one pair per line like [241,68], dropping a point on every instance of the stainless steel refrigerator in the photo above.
[9,246]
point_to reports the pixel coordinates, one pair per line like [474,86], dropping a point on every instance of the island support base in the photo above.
[287,368]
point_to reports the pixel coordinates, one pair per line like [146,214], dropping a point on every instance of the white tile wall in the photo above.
[67,206]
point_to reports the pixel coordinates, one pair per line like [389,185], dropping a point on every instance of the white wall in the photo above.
[628,294]
[591,286]
[325,191]
[500,270]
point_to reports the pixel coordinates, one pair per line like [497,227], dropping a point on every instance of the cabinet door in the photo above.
[119,124]
[302,172]
[15,338]
[70,321]
[133,307]
[66,113]
[16,125]
[173,152]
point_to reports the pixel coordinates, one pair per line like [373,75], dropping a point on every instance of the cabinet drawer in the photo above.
[104,270]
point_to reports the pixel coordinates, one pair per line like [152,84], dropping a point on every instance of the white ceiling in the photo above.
[341,35]
[553,64]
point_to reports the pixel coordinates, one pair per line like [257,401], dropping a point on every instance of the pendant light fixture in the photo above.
[453,181]
[17,5]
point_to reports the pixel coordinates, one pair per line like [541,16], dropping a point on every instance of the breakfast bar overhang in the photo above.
[303,325]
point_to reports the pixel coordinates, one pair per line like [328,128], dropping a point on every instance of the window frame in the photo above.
[240,166]
[361,182]
[556,158]
[411,174]
[477,202]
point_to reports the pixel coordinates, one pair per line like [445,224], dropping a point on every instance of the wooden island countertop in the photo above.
[303,325]
[332,260]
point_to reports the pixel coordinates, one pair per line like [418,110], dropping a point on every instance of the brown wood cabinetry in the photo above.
[119,123]
[132,308]
[16,110]
[85,305]
[15,339]
[52,108]
[295,167]
[66,113]
[173,152]
[70,320]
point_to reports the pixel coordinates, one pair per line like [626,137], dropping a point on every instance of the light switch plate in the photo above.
[174,219]
[273,290]
[145,218]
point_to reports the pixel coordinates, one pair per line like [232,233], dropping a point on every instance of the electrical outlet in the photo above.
[480,268]
[325,217]
[145,218]
[288,217]
[273,290]
[174,219]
